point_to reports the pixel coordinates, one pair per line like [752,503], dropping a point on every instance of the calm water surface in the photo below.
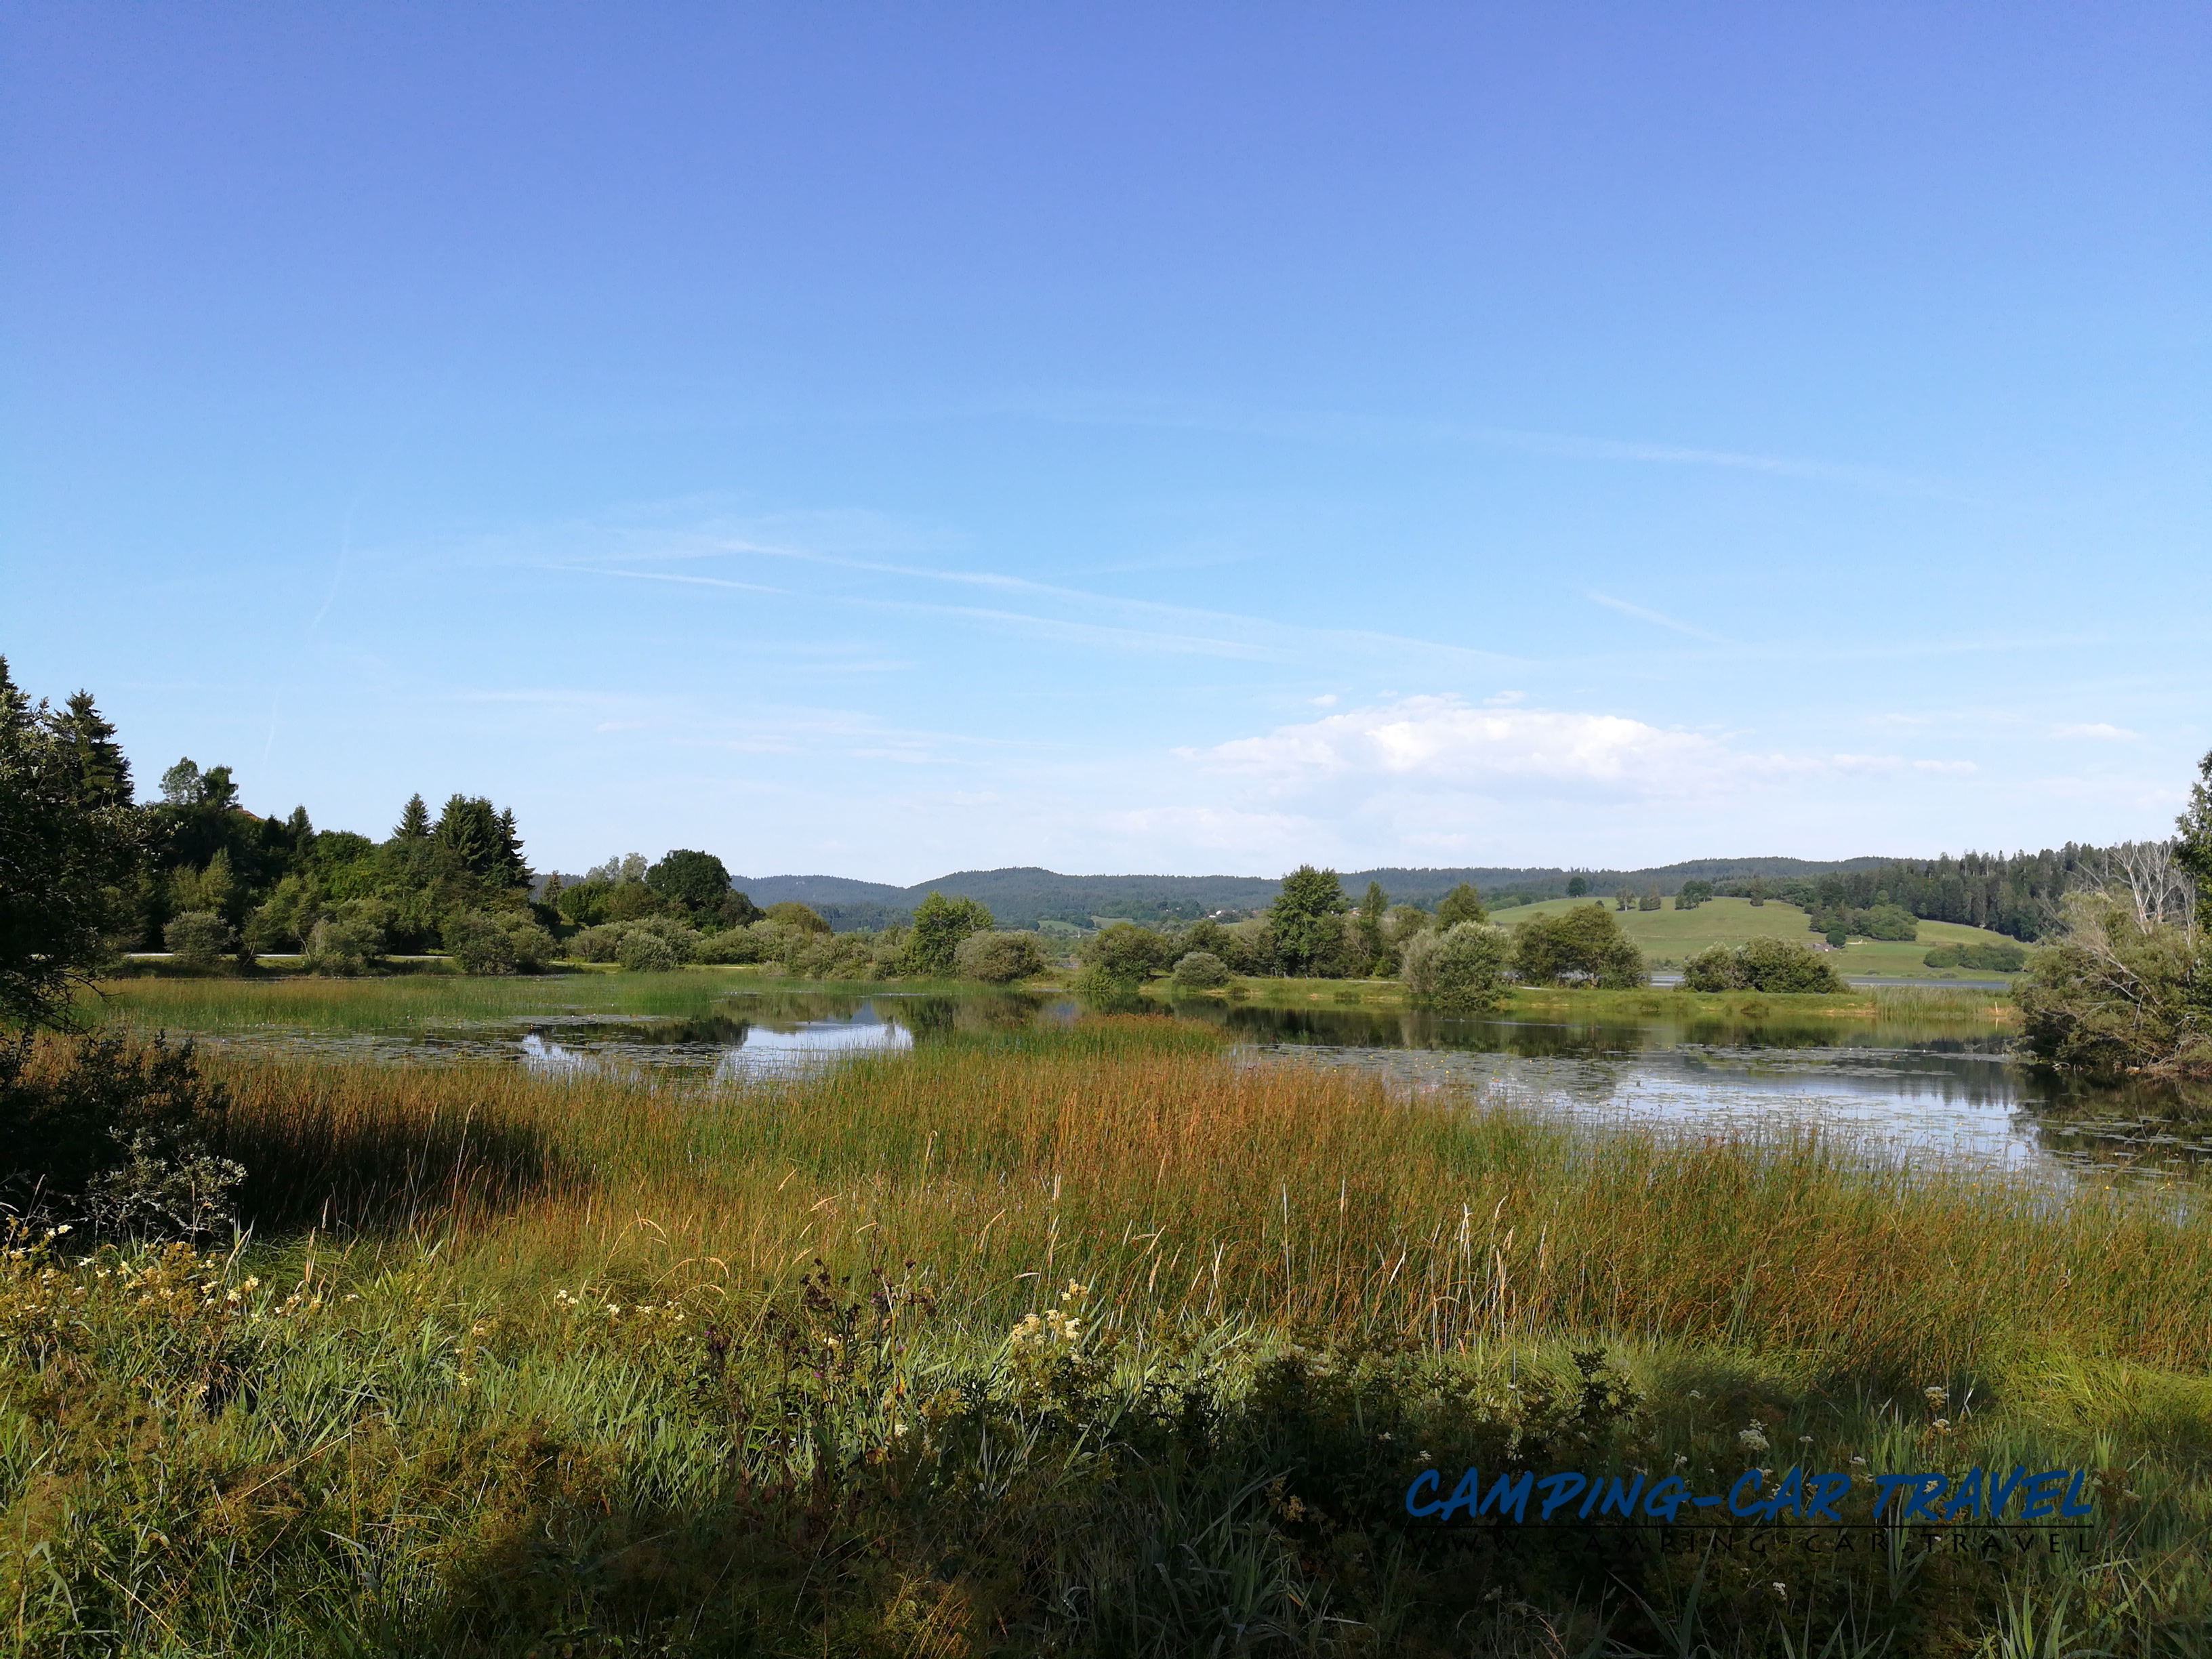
[1919,1088]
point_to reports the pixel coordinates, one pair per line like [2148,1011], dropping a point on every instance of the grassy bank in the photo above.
[1862,1003]
[1070,1340]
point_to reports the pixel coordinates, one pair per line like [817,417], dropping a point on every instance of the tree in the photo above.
[1582,945]
[697,881]
[70,844]
[199,939]
[1462,903]
[476,841]
[792,913]
[1305,921]
[1459,971]
[2192,848]
[1577,886]
[1772,965]
[1199,970]
[998,958]
[1693,894]
[940,924]
[1371,924]
[1127,954]
[413,820]
[1650,901]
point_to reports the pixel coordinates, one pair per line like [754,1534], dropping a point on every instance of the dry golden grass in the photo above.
[1135,1157]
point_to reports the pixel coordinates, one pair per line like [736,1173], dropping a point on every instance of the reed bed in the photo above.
[1084,1340]
[1132,1158]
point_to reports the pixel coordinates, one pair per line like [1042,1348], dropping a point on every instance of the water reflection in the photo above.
[1920,1085]
[1916,1085]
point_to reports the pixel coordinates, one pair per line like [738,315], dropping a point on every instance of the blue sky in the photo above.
[883,439]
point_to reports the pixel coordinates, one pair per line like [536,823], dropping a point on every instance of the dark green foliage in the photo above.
[474,841]
[1693,894]
[1650,901]
[1462,903]
[1882,921]
[1577,886]
[998,958]
[2115,993]
[1583,945]
[2192,846]
[68,1117]
[1377,953]
[503,942]
[696,881]
[1201,970]
[199,939]
[1127,954]
[414,821]
[792,913]
[1998,957]
[1306,920]
[940,924]
[70,845]
[734,909]
[1773,965]
[1459,970]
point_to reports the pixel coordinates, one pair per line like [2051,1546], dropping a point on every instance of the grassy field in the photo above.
[1668,937]
[1078,1340]
[1964,1005]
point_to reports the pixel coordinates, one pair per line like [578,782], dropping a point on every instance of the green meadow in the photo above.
[1078,1339]
[1668,937]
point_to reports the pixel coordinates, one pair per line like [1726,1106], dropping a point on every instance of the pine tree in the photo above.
[2192,848]
[414,821]
[103,776]
[70,845]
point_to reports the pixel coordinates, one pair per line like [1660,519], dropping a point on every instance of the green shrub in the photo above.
[343,947]
[112,1131]
[2115,993]
[648,950]
[1127,954]
[1776,966]
[998,958]
[199,939]
[797,916]
[1989,957]
[1460,970]
[1583,945]
[496,942]
[1201,970]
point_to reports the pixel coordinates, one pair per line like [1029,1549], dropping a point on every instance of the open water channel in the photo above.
[1916,1088]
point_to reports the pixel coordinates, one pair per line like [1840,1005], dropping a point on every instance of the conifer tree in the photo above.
[414,821]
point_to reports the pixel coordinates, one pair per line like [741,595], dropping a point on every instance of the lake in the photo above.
[1919,1087]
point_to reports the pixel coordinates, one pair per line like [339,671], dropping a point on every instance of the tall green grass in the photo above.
[1083,1339]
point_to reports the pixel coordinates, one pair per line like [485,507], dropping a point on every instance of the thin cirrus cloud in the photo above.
[1145,625]
[1657,619]
[2095,731]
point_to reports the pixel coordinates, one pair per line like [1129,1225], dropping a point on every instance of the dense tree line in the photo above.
[2018,894]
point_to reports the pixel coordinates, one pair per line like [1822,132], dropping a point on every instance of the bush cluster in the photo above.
[1774,965]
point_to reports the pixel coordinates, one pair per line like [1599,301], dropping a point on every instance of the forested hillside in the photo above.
[1024,896]
[2015,894]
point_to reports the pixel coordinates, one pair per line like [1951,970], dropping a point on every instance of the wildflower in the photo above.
[1942,1426]
[1753,1440]
[1937,1398]
[1860,1461]
[1781,1590]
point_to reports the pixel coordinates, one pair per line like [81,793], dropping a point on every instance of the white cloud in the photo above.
[2095,731]
[1442,741]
